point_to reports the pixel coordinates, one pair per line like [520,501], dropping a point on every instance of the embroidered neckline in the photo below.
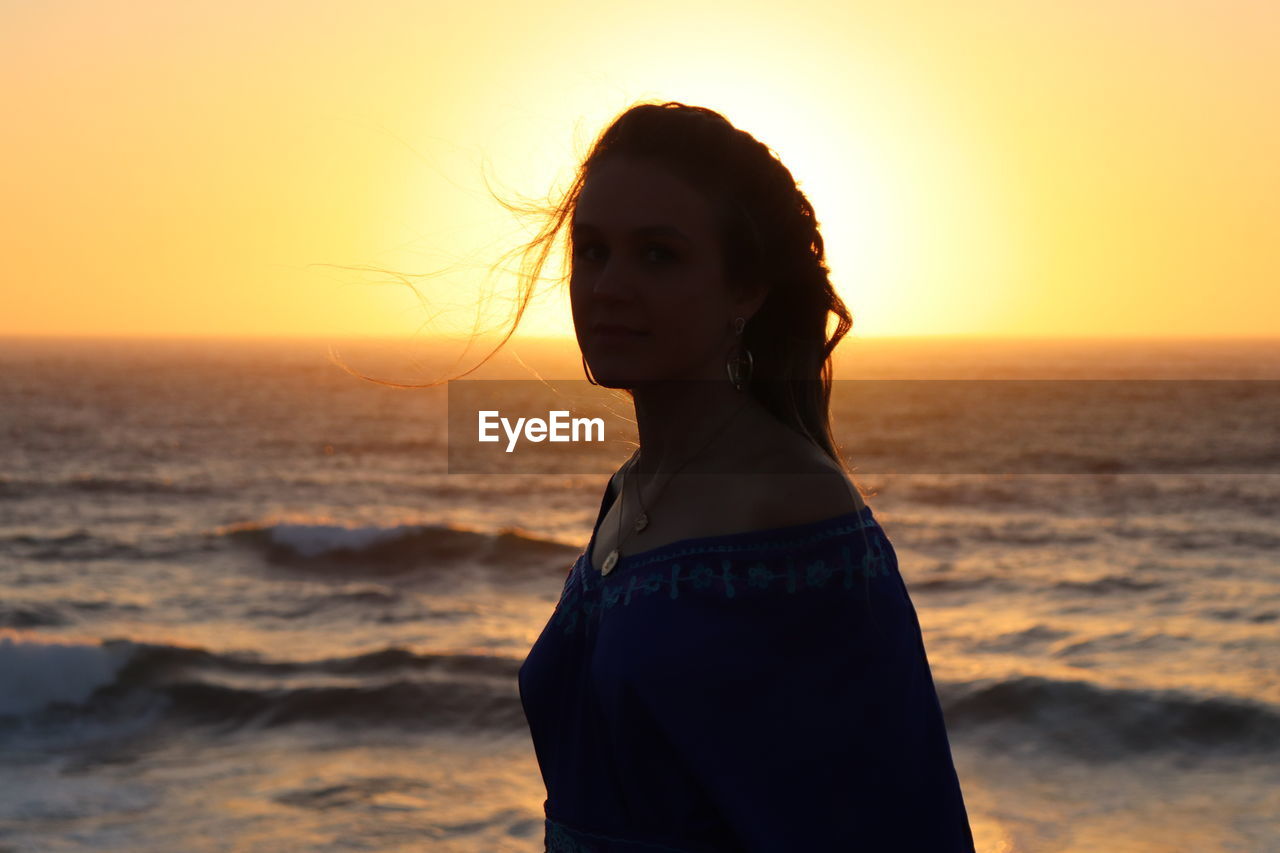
[741,565]
[790,535]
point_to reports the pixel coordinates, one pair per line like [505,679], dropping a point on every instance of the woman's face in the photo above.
[649,299]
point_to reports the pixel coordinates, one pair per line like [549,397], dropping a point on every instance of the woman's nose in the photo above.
[611,279]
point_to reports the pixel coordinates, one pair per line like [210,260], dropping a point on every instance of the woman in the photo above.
[734,663]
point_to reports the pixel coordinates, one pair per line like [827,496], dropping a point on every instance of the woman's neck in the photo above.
[683,419]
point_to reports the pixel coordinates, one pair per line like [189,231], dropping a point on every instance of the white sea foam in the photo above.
[312,540]
[34,674]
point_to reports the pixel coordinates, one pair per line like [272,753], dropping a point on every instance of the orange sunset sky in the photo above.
[1005,168]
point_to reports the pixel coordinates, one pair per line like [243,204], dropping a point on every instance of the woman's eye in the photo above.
[584,251]
[595,252]
[661,254]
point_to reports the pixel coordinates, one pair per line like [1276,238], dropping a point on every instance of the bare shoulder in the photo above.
[798,485]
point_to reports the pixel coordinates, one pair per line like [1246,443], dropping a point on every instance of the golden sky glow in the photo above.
[1010,168]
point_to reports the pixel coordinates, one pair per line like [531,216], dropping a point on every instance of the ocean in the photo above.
[244,604]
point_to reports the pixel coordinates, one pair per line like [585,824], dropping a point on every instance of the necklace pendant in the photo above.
[642,522]
[609,562]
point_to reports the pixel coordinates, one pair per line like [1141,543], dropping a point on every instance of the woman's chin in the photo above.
[637,379]
[617,378]
[618,372]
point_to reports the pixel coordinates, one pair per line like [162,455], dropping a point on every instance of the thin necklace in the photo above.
[642,521]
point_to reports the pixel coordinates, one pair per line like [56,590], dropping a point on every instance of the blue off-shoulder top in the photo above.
[762,692]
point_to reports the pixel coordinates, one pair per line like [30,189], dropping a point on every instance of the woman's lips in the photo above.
[607,331]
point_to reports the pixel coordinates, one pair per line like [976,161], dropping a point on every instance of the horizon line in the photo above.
[400,339]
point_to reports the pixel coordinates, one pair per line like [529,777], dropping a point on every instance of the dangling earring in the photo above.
[587,371]
[740,364]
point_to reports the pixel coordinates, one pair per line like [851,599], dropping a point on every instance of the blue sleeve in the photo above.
[804,705]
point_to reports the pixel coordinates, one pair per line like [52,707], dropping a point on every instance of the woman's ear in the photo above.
[748,297]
